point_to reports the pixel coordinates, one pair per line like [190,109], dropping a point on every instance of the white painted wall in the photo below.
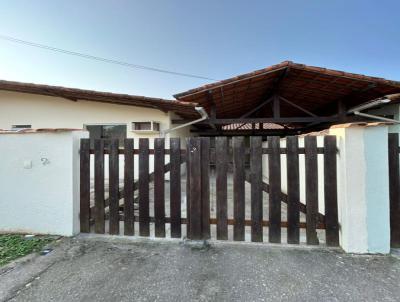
[363,188]
[39,177]
[55,112]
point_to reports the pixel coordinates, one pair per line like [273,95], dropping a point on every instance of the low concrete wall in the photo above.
[39,177]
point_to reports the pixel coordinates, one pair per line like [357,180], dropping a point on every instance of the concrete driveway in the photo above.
[115,269]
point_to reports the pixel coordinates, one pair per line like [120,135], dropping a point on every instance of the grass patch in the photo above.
[15,246]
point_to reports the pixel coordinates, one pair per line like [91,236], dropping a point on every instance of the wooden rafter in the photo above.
[280,120]
[297,106]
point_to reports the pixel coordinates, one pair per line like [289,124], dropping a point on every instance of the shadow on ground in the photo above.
[93,269]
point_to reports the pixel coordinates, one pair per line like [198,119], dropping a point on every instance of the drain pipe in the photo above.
[376,117]
[387,99]
[202,113]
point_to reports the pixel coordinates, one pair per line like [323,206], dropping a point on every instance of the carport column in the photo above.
[363,188]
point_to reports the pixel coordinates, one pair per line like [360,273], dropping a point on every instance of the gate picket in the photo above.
[205,186]
[159,191]
[221,154]
[175,187]
[194,177]
[129,209]
[238,188]
[114,187]
[256,189]
[311,169]
[274,163]
[293,188]
[85,185]
[330,189]
[144,219]
[99,218]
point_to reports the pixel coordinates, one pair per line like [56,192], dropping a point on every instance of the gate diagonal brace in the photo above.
[121,194]
[284,198]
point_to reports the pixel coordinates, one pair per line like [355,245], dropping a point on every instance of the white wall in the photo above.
[55,112]
[363,188]
[39,177]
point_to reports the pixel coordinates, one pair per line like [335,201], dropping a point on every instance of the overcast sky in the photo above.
[216,39]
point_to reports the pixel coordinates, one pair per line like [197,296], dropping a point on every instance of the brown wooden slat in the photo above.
[144,225]
[330,190]
[256,190]
[175,188]
[394,189]
[159,190]
[274,162]
[205,187]
[194,164]
[293,188]
[99,218]
[238,188]
[84,214]
[114,187]
[129,210]
[311,169]
[221,158]
[187,188]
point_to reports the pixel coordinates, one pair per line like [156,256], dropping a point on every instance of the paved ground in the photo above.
[116,269]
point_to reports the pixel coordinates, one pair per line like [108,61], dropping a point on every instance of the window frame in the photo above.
[155,127]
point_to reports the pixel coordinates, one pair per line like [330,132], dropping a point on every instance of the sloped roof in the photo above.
[74,94]
[313,88]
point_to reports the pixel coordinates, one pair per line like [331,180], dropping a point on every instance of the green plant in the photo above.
[15,246]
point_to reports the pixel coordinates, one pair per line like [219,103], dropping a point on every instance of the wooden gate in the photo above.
[394,189]
[240,196]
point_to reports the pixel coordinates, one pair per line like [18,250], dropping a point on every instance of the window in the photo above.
[106,132]
[146,126]
[18,127]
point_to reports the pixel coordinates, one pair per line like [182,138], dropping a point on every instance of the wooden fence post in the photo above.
[85,185]
[194,206]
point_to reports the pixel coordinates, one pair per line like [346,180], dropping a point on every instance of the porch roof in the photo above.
[315,89]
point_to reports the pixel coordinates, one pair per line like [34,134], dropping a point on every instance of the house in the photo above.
[282,99]
[104,115]
[339,183]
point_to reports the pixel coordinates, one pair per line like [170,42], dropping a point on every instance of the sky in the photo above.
[215,39]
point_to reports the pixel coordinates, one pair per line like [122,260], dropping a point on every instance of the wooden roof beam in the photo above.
[213,112]
[258,107]
[279,120]
[297,106]
[246,132]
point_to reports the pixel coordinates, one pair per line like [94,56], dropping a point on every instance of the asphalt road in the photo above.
[93,269]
